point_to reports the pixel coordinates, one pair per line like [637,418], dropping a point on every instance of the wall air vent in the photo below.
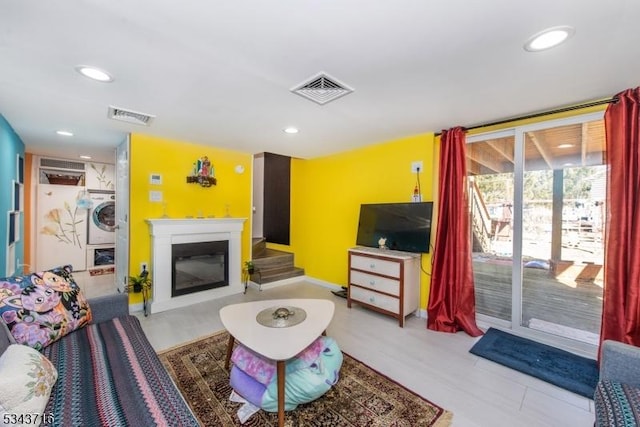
[129,116]
[322,88]
[61,164]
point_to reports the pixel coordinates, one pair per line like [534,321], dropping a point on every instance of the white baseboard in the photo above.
[323,283]
[136,308]
[421,313]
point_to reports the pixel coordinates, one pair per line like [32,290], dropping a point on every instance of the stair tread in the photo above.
[272,253]
[258,247]
[274,265]
[278,269]
[278,274]
[273,260]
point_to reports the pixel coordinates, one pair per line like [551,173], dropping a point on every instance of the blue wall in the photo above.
[10,147]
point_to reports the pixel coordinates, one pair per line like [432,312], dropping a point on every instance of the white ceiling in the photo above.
[220,72]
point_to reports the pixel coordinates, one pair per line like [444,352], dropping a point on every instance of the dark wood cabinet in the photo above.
[277,198]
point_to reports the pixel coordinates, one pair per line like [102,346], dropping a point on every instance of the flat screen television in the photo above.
[406,226]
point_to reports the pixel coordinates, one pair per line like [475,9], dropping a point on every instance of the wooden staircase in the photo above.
[480,219]
[272,265]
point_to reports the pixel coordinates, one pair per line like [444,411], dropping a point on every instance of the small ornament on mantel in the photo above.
[382,243]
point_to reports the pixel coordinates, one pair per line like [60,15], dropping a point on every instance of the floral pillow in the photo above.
[26,380]
[41,308]
[65,272]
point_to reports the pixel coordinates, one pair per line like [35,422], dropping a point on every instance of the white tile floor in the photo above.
[437,366]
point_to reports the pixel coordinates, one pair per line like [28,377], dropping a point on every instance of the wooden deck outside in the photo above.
[571,297]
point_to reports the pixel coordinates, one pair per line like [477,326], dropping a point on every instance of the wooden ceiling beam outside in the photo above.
[584,138]
[541,149]
[473,168]
[582,145]
[504,148]
[484,158]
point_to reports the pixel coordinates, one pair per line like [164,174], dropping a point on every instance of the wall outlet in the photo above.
[417,166]
[144,266]
[155,196]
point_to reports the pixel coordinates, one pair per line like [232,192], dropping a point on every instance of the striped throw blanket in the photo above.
[109,375]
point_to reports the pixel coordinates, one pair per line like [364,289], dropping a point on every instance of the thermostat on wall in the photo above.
[155,179]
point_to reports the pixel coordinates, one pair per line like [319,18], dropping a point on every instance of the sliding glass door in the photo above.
[490,166]
[537,196]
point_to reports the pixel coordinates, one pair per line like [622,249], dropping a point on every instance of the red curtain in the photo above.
[621,306]
[452,304]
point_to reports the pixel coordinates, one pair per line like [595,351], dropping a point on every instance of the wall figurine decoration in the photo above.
[202,173]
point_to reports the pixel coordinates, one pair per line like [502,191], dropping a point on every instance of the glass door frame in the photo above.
[517,278]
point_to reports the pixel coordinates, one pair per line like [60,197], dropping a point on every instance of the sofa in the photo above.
[617,395]
[103,373]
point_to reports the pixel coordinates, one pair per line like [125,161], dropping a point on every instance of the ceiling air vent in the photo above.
[322,88]
[129,116]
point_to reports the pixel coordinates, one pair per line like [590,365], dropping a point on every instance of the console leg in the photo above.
[229,351]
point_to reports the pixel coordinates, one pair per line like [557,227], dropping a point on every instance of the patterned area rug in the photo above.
[362,396]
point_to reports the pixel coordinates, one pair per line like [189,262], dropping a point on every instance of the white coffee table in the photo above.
[278,344]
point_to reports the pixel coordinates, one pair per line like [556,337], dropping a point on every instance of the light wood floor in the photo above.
[437,366]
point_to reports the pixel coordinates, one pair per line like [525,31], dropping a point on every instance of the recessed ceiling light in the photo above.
[548,38]
[85,157]
[291,130]
[94,73]
[64,133]
[565,145]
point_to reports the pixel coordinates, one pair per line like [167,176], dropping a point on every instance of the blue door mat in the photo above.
[559,367]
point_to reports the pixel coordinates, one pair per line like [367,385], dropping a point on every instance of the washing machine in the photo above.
[102,218]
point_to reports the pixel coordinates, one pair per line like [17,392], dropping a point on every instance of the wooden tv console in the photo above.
[385,281]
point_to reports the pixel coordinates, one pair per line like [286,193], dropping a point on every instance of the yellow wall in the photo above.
[326,194]
[174,161]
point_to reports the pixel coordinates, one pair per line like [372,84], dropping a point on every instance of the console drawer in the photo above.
[384,302]
[378,283]
[376,266]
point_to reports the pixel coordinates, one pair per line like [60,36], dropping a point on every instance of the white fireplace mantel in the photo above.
[165,232]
